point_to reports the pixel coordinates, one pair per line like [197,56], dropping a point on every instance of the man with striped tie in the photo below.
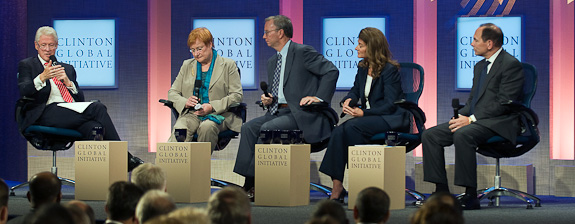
[51,86]
[299,75]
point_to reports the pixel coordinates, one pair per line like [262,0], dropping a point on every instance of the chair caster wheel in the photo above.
[529,206]
[490,204]
[12,193]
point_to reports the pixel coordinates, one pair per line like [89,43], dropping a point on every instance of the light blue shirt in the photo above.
[284,53]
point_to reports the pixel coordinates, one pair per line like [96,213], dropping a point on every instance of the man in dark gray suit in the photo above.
[497,79]
[299,75]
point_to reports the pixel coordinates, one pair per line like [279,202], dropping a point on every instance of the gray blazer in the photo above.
[307,73]
[225,89]
[504,83]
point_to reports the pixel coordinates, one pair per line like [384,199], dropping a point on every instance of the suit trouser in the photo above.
[245,160]
[207,130]
[355,131]
[96,115]
[465,140]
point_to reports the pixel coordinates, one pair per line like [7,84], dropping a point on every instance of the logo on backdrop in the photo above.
[340,37]
[466,58]
[234,39]
[89,46]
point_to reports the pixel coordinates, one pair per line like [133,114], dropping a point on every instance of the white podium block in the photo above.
[282,175]
[377,166]
[98,165]
[187,167]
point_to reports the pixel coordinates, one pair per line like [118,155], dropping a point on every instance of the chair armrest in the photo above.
[518,107]
[315,106]
[413,108]
[167,103]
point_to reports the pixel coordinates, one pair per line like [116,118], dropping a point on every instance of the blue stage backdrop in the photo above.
[184,11]
[398,14]
[13,161]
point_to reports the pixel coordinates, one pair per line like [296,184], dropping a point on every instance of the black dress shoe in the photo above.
[469,202]
[134,162]
[251,194]
[341,197]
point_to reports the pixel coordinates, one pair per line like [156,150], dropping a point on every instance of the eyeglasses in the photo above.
[199,49]
[47,46]
[267,32]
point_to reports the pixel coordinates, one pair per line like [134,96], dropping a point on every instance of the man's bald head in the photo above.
[45,187]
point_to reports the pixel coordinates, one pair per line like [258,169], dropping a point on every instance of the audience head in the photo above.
[78,215]
[186,215]
[154,203]
[45,187]
[52,213]
[87,209]
[122,200]
[440,208]
[229,205]
[3,201]
[373,47]
[46,42]
[332,209]
[149,176]
[326,219]
[371,205]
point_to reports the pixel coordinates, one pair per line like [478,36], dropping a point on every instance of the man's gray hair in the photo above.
[282,23]
[149,176]
[46,30]
[154,203]
[229,205]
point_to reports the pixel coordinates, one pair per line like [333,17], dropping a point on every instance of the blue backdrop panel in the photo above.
[183,11]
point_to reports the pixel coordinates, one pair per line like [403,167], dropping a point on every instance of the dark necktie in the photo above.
[480,85]
[276,84]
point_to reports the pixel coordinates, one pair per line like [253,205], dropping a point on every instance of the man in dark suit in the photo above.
[49,86]
[299,76]
[45,188]
[497,79]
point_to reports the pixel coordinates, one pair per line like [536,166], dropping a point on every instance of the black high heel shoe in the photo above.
[341,197]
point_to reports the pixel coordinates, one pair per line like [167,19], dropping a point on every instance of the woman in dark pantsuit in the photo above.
[377,85]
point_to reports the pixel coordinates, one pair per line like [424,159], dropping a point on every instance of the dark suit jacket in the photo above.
[385,90]
[28,69]
[307,73]
[504,82]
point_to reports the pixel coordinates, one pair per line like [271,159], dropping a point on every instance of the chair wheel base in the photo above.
[12,193]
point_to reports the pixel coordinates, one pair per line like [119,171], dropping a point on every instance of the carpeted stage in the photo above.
[553,210]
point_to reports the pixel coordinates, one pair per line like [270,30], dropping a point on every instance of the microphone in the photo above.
[54,61]
[264,87]
[455,105]
[352,103]
[197,86]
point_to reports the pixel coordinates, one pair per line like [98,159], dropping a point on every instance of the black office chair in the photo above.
[497,147]
[325,108]
[46,138]
[412,76]
[224,137]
